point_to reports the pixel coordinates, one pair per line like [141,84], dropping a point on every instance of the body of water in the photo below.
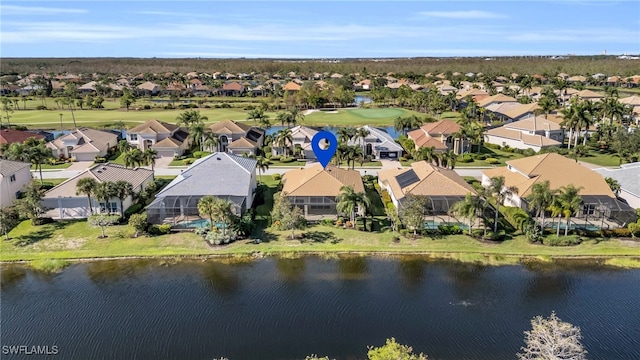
[288,308]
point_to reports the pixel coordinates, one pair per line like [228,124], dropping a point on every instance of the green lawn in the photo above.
[600,157]
[77,239]
[50,167]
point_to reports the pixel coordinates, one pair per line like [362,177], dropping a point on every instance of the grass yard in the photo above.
[51,167]
[601,157]
[77,239]
[356,117]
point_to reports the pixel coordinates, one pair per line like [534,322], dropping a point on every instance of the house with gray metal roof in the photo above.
[628,176]
[220,174]
[13,176]
[64,203]
[378,144]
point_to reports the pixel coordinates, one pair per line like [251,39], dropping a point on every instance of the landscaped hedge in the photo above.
[288,159]
[133,209]
[159,229]
[199,154]
[466,158]
[515,216]
[569,240]
[492,161]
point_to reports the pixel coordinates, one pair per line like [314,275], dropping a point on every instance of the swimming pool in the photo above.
[198,223]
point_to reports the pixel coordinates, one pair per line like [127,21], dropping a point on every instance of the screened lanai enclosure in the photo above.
[182,211]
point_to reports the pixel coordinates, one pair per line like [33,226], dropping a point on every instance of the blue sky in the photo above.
[309,29]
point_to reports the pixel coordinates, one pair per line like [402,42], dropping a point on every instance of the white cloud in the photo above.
[468,14]
[37,10]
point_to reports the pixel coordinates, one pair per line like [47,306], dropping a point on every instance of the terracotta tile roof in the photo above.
[291,86]
[631,100]
[442,127]
[155,126]
[149,86]
[10,136]
[229,127]
[557,169]
[496,99]
[527,139]
[233,86]
[514,111]
[168,142]
[429,181]
[533,123]
[243,142]
[420,138]
[316,181]
[588,94]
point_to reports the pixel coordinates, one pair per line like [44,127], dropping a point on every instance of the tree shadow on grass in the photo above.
[42,232]
[320,237]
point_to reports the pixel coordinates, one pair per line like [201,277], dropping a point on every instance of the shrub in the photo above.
[287,159]
[276,177]
[159,229]
[199,154]
[492,161]
[326,222]
[570,240]
[492,146]
[99,160]
[528,152]
[482,157]
[348,224]
[41,107]
[532,231]
[133,209]
[620,232]
[449,229]
[138,222]
[219,237]
[516,217]
[147,107]
[275,158]
[201,231]
[187,161]
[466,158]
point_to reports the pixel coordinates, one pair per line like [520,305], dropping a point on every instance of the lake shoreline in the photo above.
[480,258]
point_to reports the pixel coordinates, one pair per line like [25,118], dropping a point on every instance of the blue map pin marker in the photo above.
[324,155]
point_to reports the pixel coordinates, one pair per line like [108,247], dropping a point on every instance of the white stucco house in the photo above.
[14,175]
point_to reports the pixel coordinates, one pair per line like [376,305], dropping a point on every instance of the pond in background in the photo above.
[277,308]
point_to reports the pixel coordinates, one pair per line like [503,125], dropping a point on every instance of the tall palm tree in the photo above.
[541,198]
[348,200]
[361,134]
[467,208]
[133,158]
[425,153]
[612,108]
[207,207]
[499,192]
[547,104]
[284,139]
[295,115]
[122,190]
[222,213]
[209,141]
[570,201]
[570,119]
[105,191]
[196,133]
[556,211]
[86,186]
[262,165]
[189,118]
[149,157]
[345,134]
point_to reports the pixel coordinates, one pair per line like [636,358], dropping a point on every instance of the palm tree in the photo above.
[262,165]
[104,191]
[295,115]
[541,198]
[345,134]
[122,190]
[425,153]
[612,108]
[467,208]
[348,200]
[133,158]
[196,133]
[361,134]
[499,192]
[189,118]
[254,115]
[284,139]
[86,186]
[282,117]
[547,104]
[556,211]
[570,201]
[222,213]
[149,157]
[570,119]
[70,94]
[207,207]
[614,185]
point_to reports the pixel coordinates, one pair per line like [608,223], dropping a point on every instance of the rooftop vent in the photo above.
[218,159]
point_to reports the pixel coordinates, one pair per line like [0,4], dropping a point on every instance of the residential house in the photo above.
[88,88]
[201,90]
[63,201]
[441,187]
[378,144]
[291,87]
[14,175]
[148,89]
[599,202]
[589,95]
[496,99]
[628,177]
[510,112]
[220,174]
[363,85]
[302,136]
[10,136]
[83,144]
[440,135]
[634,103]
[237,138]
[232,88]
[314,189]
[167,139]
[534,132]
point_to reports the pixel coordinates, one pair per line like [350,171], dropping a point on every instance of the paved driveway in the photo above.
[79,165]
[163,162]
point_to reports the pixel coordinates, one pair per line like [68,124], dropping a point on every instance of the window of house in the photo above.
[12,178]
[110,207]
[133,137]
[589,209]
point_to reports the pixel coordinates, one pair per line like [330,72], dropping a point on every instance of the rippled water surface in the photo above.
[288,308]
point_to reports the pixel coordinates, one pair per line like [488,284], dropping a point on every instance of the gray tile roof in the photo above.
[385,141]
[8,167]
[628,176]
[217,174]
